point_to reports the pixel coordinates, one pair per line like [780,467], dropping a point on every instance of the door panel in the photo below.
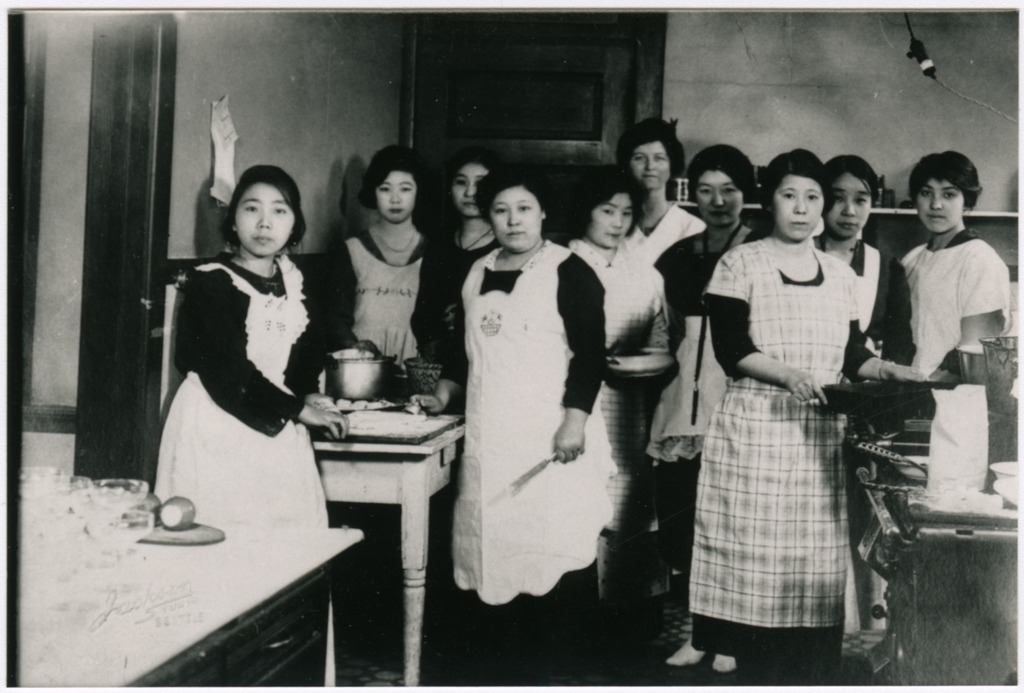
[130,132]
[552,91]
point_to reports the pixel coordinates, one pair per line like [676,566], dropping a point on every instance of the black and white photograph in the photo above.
[502,345]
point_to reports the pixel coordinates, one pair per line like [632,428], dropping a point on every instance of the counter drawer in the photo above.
[280,643]
[284,643]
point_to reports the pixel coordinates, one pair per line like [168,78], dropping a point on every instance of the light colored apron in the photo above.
[676,225]
[771,544]
[628,564]
[506,545]
[233,473]
[867,289]
[385,299]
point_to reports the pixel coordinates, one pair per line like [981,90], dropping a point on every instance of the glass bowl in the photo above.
[119,494]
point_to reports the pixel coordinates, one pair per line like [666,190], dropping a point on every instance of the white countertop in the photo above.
[83,624]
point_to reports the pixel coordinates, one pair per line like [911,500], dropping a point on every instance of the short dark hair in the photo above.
[798,162]
[598,186]
[471,155]
[505,177]
[856,167]
[395,157]
[949,166]
[730,161]
[652,130]
[270,175]
[467,155]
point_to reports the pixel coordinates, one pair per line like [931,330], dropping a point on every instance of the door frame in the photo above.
[131,129]
[648,77]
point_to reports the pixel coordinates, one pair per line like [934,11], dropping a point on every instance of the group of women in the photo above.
[725,471]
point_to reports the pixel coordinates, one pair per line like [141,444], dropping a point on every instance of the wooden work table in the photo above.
[407,475]
[239,612]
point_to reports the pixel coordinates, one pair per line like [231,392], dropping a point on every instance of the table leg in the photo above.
[415,598]
[415,532]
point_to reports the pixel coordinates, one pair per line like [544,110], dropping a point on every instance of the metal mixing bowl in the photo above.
[364,378]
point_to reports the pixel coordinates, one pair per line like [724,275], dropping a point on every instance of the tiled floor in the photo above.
[377,661]
[368,599]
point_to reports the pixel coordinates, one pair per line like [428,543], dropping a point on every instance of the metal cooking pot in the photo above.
[364,378]
[1001,373]
[972,364]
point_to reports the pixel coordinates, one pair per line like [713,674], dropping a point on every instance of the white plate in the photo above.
[1004,470]
[640,365]
[1007,488]
[909,470]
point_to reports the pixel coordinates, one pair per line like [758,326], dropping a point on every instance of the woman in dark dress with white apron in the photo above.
[630,571]
[533,324]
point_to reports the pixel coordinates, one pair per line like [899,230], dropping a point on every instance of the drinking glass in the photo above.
[111,517]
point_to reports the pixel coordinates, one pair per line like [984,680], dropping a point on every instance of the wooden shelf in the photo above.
[888,211]
[967,215]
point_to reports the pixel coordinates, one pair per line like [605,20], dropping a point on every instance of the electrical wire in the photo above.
[907,18]
[953,91]
[917,52]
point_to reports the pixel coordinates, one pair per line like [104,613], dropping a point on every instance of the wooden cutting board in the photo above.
[397,426]
[196,535]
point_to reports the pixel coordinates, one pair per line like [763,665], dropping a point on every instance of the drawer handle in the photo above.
[280,643]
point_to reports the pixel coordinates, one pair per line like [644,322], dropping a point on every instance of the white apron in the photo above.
[867,289]
[385,299]
[233,473]
[506,545]
[676,225]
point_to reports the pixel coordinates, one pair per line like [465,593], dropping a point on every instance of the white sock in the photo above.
[724,664]
[685,656]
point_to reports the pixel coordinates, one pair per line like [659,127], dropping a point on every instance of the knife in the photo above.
[517,485]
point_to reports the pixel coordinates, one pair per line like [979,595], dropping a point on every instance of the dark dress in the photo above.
[444,269]
[211,342]
[890,314]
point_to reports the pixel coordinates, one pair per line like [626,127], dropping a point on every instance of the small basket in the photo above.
[422,374]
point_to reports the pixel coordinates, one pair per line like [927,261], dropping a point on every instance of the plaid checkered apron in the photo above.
[634,318]
[771,540]
[628,564]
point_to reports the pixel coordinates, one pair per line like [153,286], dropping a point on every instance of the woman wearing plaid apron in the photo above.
[771,542]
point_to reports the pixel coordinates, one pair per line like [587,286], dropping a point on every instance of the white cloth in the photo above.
[676,225]
[233,473]
[634,299]
[505,545]
[675,431]
[867,287]
[385,299]
[945,286]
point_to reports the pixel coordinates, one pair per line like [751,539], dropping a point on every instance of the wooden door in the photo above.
[131,117]
[551,90]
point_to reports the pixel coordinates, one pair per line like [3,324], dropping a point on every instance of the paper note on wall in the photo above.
[222,129]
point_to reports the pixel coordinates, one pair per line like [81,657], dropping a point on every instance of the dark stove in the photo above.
[951,596]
